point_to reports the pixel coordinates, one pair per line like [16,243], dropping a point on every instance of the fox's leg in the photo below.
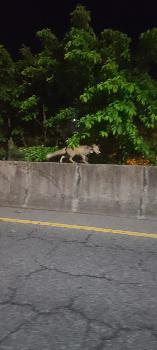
[84,159]
[71,159]
[61,159]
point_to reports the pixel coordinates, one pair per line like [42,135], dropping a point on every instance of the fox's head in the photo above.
[96,149]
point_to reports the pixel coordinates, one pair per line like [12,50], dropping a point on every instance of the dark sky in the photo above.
[20,20]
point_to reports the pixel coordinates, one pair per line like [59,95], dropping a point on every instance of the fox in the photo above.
[81,151]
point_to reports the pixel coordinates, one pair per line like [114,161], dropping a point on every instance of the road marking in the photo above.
[81,227]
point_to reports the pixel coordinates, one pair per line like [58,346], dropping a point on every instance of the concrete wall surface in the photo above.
[101,189]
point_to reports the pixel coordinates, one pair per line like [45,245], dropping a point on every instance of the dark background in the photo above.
[19,20]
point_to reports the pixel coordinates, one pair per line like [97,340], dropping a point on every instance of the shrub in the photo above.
[36,153]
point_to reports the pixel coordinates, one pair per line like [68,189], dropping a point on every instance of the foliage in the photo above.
[115,45]
[138,161]
[80,17]
[3,154]
[147,49]
[7,92]
[64,115]
[81,89]
[116,107]
[29,108]
[36,154]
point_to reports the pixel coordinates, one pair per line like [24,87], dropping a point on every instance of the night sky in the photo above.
[20,20]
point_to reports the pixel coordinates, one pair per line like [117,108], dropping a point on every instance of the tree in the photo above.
[115,45]
[116,107]
[146,56]
[36,83]
[82,89]
[8,89]
[80,18]
[75,71]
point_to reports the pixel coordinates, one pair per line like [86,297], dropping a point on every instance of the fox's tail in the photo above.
[61,152]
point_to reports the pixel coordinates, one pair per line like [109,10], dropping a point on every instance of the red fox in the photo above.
[81,151]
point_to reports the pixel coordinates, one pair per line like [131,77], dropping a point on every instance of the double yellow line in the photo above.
[81,227]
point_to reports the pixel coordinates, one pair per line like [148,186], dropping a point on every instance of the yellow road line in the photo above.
[80,227]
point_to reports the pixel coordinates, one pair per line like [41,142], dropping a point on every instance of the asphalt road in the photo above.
[69,289]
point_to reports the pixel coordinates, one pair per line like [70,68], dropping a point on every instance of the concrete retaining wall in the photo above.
[102,189]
